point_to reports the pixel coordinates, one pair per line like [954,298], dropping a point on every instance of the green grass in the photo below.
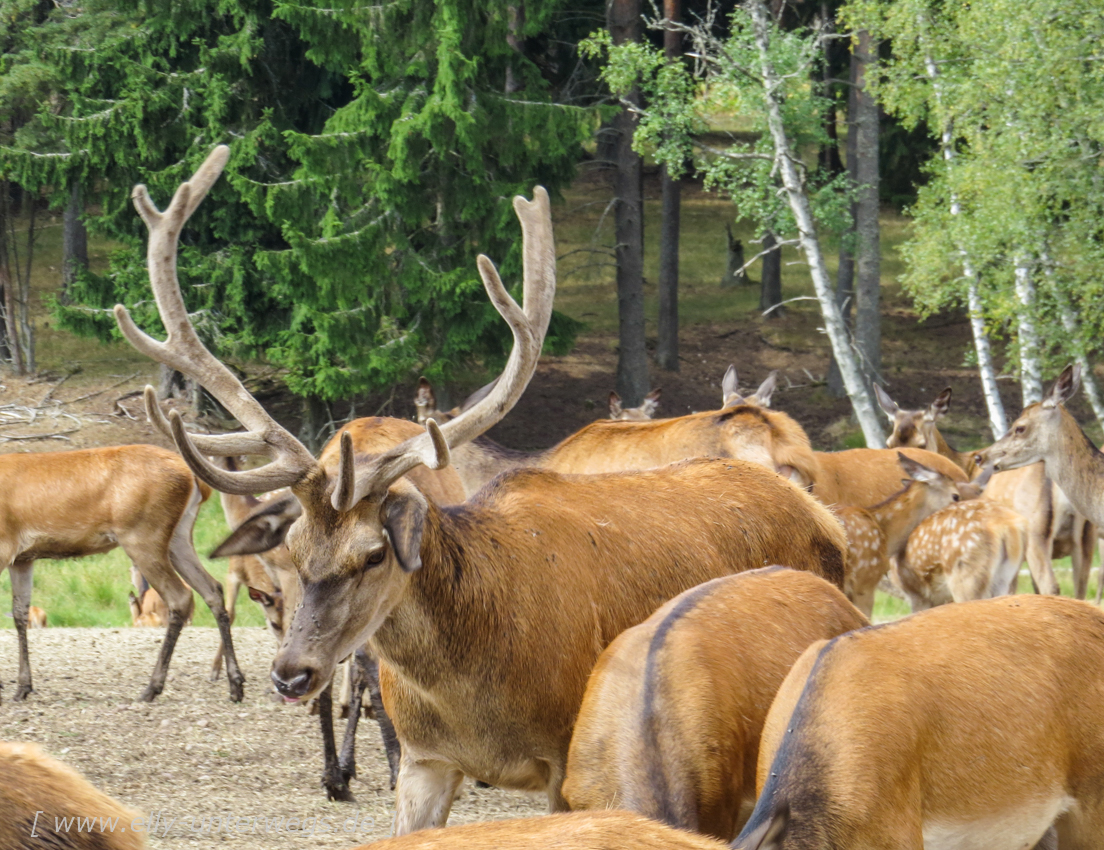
[93,591]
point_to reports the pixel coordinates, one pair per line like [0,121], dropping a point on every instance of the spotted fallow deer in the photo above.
[971,550]
[47,804]
[646,410]
[670,723]
[74,503]
[1055,529]
[495,609]
[966,726]
[879,533]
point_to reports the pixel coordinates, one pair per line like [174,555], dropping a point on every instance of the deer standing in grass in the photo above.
[84,502]
[879,533]
[966,726]
[489,615]
[1055,528]
[971,550]
[670,723]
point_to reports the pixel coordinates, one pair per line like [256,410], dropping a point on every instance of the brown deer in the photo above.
[1055,528]
[646,410]
[47,804]
[74,503]
[670,723]
[150,611]
[611,830]
[967,726]
[879,533]
[730,390]
[971,550]
[495,609]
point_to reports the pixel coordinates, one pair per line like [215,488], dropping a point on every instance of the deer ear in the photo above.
[1065,387]
[404,515]
[264,529]
[889,406]
[651,402]
[424,394]
[729,387]
[261,597]
[940,406]
[916,470]
[614,405]
[766,389]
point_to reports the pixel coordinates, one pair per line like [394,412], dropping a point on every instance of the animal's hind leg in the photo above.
[337,787]
[387,729]
[186,562]
[22,580]
[233,585]
[356,681]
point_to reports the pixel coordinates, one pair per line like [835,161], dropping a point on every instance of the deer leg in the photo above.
[424,794]
[357,678]
[233,585]
[21,581]
[1039,548]
[185,561]
[387,729]
[1049,841]
[347,686]
[337,787]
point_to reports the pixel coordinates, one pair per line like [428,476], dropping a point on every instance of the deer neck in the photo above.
[1077,466]
[964,460]
[898,515]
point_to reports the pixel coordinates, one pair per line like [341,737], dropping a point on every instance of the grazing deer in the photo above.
[1055,528]
[646,410]
[971,550]
[611,830]
[670,723]
[47,804]
[967,726]
[84,502]
[495,609]
[879,533]
[149,611]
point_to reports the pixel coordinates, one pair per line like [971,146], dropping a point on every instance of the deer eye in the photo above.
[955,497]
[1019,429]
[376,558]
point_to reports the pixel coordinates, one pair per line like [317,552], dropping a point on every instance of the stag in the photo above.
[494,610]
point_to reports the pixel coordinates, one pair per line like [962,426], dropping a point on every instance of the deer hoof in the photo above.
[21,693]
[339,793]
[237,690]
[149,694]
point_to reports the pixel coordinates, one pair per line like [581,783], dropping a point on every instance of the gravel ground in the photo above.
[193,755]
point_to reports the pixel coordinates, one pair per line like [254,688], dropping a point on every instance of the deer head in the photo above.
[913,428]
[1037,433]
[646,410]
[730,392]
[358,539]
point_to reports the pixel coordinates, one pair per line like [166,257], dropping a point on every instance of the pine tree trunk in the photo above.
[735,274]
[1031,372]
[868,274]
[770,288]
[785,159]
[74,242]
[667,344]
[317,427]
[632,361]
[8,283]
[515,23]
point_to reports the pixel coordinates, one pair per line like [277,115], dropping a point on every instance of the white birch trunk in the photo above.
[1076,342]
[786,160]
[998,421]
[1031,371]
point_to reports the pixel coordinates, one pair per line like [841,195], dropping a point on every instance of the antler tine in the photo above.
[220,445]
[183,351]
[529,324]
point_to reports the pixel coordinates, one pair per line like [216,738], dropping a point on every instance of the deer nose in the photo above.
[295,687]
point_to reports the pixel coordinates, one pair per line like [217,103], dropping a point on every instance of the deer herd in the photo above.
[660,624]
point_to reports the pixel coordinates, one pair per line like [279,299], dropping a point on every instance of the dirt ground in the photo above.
[194,756]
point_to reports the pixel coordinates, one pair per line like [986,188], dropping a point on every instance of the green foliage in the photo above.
[1019,91]
[682,98]
[374,152]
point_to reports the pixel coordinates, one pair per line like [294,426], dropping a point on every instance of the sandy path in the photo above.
[193,756]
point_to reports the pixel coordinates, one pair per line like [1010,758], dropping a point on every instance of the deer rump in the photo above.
[529,581]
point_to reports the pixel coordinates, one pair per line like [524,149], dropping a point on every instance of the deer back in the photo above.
[670,723]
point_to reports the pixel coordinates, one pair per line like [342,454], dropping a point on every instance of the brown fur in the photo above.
[1055,529]
[149,611]
[972,550]
[982,717]
[670,723]
[36,618]
[879,533]
[574,831]
[34,785]
[516,594]
[862,477]
[75,503]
